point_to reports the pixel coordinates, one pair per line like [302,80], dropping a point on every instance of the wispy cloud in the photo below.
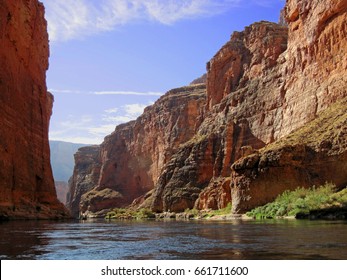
[91,129]
[127,93]
[71,19]
[134,109]
[114,92]
[124,113]
[112,110]
[116,119]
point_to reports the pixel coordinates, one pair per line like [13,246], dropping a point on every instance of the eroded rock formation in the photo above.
[131,158]
[313,155]
[85,176]
[26,181]
[271,85]
[265,83]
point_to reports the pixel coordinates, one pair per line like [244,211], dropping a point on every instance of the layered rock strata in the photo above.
[85,176]
[265,83]
[26,181]
[239,115]
[272,84]
[131,158]
[313,155]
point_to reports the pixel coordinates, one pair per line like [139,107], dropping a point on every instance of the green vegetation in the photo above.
[291,203]
[206,214]
[128,214]
[194,212]
[219,212]
[326,128]
[196,139]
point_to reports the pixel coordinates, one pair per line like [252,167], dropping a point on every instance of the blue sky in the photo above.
[109,59]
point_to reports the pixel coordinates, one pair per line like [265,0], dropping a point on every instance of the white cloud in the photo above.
[134,109]
[92,129]
[124,113]
[74,123]
[81,130]
[127,93]
[112,110]
[101,130]
[116,119]
[114,92]
[71,19]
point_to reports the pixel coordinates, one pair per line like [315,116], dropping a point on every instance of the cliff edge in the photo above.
[26,181]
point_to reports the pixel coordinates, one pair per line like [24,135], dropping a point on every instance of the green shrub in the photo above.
[195,212]
[223,211]
[302,200]
[127,214]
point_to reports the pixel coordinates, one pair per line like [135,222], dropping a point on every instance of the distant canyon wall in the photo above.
[26,181]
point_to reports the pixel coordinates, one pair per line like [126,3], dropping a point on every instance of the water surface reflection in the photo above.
[274,239]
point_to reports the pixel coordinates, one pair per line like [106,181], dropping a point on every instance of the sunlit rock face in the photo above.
[268,81]
[314,75]
[264,84]
[26,181]
[130,160]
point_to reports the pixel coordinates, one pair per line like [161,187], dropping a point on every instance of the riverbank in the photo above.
[323,202]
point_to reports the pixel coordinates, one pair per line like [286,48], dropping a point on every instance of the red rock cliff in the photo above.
[26,181]
[267,81]
[85,176]
[243,96]
[132,157]
[314,76]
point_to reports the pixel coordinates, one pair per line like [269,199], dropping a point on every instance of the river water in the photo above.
[86,240]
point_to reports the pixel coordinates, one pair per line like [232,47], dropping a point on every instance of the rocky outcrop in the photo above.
[313,155]
[85,176]
[200,80]
[132,157]
[26,181]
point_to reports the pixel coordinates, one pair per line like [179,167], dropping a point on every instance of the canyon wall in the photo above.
[26,181]
[311,156]
[269,80]
[263,85]
[130,160]
[314,75]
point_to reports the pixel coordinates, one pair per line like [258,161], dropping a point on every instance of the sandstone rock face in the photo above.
[313,155]
[197,164]
[132,157]
[26,181]
[316,61]
[85,176]
[271,80]
[237,101]
[265,83]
